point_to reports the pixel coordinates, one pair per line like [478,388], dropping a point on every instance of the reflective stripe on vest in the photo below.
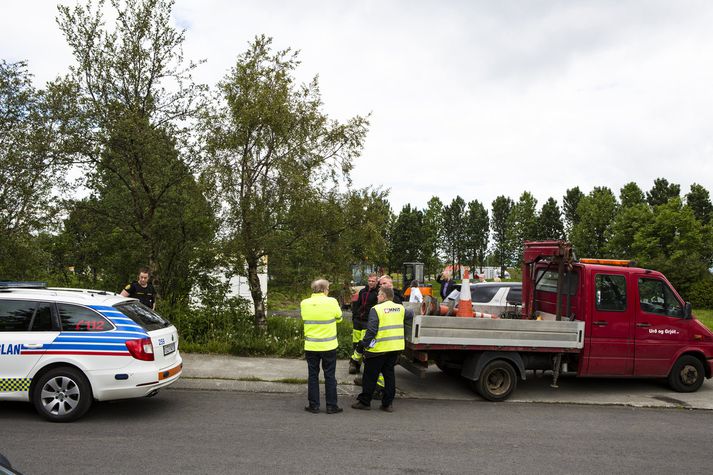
[390,336]
[320,315]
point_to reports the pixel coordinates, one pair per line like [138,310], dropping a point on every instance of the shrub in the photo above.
[701,293]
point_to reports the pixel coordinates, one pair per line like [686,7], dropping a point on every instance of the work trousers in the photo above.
[329,366]
[383,363]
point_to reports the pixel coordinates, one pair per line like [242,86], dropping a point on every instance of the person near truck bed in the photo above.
[381,345]
[320,315]
[385,281]
[447,284]
[360,315]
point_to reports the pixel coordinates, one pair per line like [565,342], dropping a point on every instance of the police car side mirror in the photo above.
[687,311]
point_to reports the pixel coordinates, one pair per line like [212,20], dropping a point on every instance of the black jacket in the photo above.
[360,311]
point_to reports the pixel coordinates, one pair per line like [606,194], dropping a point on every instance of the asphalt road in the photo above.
[183,431]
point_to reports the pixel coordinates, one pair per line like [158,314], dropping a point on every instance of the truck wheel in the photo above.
[497,381]
[62,394]
[686,375]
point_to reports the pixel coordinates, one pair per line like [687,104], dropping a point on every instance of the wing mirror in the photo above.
[687,313]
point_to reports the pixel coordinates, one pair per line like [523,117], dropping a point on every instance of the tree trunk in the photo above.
[256,293]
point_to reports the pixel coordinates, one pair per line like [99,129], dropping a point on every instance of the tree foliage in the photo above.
[272,149]
[699,200]
[570,204]
[549,222]
[596,213]
[32,163]
[662,191]
[503,245]
[134,100]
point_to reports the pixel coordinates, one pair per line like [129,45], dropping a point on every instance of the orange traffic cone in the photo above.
[465,307]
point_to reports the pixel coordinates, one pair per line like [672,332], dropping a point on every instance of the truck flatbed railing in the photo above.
[436,330]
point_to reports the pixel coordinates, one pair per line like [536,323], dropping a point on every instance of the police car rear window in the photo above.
[143,316]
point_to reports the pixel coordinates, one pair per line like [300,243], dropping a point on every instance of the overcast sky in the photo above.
[470,98]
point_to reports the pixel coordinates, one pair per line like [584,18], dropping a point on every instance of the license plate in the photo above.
[168,349]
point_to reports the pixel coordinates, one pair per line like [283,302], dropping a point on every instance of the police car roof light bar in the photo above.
[9,284]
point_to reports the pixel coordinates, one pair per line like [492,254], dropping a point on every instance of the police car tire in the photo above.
[77,384]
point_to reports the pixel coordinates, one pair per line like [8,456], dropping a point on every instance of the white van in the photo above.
[63,348]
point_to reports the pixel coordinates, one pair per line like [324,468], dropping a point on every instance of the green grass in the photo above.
[705,316]
[283,339]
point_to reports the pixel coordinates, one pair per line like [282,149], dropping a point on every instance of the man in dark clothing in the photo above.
[141,289]
[382,343]
[360,315]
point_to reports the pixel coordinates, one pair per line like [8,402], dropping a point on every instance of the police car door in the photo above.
[26,328]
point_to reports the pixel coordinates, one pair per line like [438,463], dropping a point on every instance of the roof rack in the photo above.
[9,284]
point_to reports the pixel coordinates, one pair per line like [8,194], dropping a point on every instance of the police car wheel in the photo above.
[62,395]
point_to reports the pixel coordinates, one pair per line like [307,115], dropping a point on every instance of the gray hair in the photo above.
[387,292]
[320,286]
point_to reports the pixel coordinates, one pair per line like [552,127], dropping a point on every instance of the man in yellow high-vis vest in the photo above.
[320,315]
[382,343]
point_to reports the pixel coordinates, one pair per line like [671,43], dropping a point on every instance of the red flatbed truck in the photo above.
[599,318]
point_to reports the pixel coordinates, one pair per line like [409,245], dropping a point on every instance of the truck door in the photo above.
[660,327]
[611,339]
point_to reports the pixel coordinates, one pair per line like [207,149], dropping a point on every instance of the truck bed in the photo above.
[428,331]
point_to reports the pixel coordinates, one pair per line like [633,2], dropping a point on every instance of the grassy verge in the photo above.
[283,339]
[705,316]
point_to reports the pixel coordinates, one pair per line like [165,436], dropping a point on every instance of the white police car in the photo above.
[64,348]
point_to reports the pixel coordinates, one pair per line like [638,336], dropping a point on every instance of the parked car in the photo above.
[62,349]
[500,299]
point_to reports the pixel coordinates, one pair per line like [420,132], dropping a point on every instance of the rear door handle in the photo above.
[643,325]
[600,323]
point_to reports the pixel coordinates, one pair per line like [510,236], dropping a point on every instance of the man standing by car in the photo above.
[382,343]
[141,289]
[320,315]
[360,315]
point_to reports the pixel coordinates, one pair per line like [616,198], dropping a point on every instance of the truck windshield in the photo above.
[142,315]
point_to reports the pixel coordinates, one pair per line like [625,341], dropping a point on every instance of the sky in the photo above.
[470,98]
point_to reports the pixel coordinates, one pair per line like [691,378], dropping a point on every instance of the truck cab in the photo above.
[636,324]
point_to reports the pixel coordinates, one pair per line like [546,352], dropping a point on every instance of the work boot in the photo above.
[354,366]
[334,409]
[357,380]
[313,410]
[361,406]
[389,408]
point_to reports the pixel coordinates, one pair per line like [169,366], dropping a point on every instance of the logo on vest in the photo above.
[392,309]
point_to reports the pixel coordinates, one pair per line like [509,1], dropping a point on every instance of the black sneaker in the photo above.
[389,408]
[313,410]
[361,406]
[334,410]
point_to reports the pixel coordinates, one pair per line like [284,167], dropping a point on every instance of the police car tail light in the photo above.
[141,349]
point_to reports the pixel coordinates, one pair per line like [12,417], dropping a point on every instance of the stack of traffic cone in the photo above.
[465,307]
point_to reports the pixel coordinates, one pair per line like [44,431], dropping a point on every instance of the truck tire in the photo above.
[497,381]
[686,375]
[62,394]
